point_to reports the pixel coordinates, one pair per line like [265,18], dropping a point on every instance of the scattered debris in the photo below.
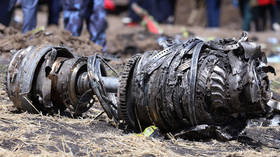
[151,131]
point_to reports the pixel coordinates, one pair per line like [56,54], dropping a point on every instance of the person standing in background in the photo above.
[93,11]
[6,12]
[213,13]
[29,8]
[278,8]
[268,6]
[54,8]
[245,10]
[161,10]
[255,14]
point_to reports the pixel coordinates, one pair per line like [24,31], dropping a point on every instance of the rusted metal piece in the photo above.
[23,71]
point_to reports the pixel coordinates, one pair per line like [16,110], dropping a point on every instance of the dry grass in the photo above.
[23,134]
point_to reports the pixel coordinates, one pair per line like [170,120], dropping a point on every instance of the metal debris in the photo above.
[52,79]
[218,83]
[215,84]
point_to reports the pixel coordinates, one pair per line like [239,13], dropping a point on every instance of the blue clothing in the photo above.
[29,8]
[54,11]
[6,12]
[159,9]
[245,10]
[213,13]
[93,11]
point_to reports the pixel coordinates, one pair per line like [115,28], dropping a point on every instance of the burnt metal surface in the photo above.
[196,86]
[52,79]
[23,71]
[193,89]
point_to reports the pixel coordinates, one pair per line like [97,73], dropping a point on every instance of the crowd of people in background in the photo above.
[74,13]
[161,10]
[29,9]
[255,12]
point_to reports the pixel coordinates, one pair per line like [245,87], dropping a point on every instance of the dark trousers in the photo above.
[273,13]
[255,17]
[6,12]
[159,9]
[278,8]
[246,14]
[93,11]
[213,13]
[54,11]
[29,9]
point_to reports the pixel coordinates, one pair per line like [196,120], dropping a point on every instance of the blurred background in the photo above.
[119,27]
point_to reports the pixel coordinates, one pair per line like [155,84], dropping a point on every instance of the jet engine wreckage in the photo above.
[187,86]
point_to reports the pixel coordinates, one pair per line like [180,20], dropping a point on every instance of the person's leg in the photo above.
[73,16]
[278,8]
[6,8]
[217,13]
[246,16]
[97,24]
[273,12]
[262,16]
[29,8]
[213,13]
[131,13]
[274,18]
[241,7]
[255,17]
[209,7]
[54,7]
[161,10]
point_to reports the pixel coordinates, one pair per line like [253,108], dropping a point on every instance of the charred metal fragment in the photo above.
[193,88]
[52,79]
[196,83]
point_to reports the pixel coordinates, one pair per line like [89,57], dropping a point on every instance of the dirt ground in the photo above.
[23,134]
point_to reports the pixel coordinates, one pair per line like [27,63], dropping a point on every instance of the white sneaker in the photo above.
[276,27]
[126,20]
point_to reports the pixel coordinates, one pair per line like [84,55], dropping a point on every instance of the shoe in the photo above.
[276,27]
[128,22]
